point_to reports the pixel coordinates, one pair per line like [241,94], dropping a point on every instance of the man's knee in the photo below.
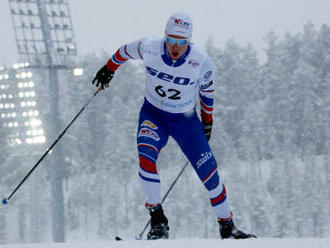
[148,151]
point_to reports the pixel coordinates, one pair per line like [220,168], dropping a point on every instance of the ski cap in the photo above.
[179,24]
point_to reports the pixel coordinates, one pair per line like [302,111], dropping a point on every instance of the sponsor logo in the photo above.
[175,106]
[168,104]
[205,86]
[204,158]
[182,23]
[146,132]
[149,52]
[148,123]
[207,75]
[167,77]
[194,63]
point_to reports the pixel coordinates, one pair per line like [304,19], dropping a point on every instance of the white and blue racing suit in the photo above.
[169,109]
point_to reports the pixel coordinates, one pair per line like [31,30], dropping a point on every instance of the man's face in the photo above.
[176,45]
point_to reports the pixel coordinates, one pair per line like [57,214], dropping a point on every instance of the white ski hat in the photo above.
[179,24]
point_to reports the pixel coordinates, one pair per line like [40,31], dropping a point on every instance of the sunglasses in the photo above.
[180,42]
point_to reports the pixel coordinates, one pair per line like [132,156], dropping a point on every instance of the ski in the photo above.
[120,239]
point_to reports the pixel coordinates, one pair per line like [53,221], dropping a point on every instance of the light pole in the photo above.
[45,39]
[22,133]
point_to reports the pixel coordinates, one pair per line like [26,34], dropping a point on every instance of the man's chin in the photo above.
[175,55]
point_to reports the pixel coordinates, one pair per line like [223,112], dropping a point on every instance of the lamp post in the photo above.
[22,134]
[45,39]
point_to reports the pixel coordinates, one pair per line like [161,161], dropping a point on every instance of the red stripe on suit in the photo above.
[220,197]
[206,107]
[147,165]
[119,57]
[112,66]
[206,117]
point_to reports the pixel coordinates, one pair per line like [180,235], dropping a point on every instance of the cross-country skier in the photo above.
[176,70]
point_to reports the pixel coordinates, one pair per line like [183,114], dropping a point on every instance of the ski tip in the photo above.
[118,238]
[4,201]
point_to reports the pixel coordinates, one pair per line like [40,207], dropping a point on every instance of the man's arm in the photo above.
[129,51]
[206,95]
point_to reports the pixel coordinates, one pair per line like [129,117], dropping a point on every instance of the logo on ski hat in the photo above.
[179,24]
[182,23]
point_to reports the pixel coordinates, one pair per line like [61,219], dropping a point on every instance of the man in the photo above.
[176,71]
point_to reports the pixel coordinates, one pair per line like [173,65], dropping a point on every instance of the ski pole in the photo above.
[5,200]
[164,198]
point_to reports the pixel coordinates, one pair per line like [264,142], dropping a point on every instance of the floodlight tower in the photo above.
[45,39]
[44,32]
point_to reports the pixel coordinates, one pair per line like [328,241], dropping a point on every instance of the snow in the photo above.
[190,243]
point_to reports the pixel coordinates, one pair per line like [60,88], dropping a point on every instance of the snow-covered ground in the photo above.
[190,243]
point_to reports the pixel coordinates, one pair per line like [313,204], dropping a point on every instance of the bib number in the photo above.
[172,94]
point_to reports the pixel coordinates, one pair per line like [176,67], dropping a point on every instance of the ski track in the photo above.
[189,243]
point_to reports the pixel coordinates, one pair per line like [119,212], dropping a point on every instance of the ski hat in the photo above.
[179,24]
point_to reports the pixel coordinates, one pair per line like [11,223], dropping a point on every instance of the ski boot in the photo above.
[229,231]
[159,224]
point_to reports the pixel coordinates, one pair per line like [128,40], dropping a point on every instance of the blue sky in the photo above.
[106,24]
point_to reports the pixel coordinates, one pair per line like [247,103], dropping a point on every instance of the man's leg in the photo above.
[190,137]
[151,138]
